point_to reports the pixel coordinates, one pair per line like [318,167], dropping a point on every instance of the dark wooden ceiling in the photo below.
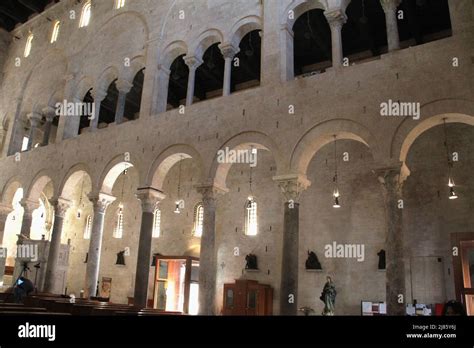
[13,12]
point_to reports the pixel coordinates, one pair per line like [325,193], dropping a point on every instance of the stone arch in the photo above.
[173,51]
[111,173]
[204,41]
[323,134]
[137,63]
[242,28]
[167,159]
[297,7]
[135,14]
[109,75]
[38,184]
[73,178]
[245,140]
[85,84]
[454,110]
[10,188]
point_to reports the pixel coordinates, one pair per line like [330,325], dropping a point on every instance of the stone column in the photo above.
[124,87]
[291,186]
[163,80]
[390,9]
[35,120]
[49,114]
[391,181]
[151,91]
[14,135]
[4,211]
[29,207]
[61,207]
[228,52]
[207,258]
[336,19]
[149,198]
[193,63]
[101,203]
[98,95]
[68,126]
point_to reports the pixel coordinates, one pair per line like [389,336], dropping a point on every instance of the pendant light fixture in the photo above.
[179,202]
[79,210]
[250,198]
[451,185]
[336,193]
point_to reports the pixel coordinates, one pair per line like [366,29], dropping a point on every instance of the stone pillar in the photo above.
[4,211]
[288,59]
[291,186]
[124,87]
[228,51]
[35,120]
[68,126]
[391,181]
[14,135]
[207,258]
[390,9]
[61,207]
[273,56]
[149,198]
[101,203]
[163,80]
[49,114]
[29,207]
[193,63]
[151,90]
[98,95]
[336,19]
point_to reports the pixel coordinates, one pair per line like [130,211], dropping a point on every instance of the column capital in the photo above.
[193,62]
[228,50]
[123,86]
[163,70]
[336,18]
[61,206]
[35,118]
[29,205]
[149,198]
[391,178]
[292,185]
[390,5]
[49,113]
[210,191]
[101,201]
[98,94]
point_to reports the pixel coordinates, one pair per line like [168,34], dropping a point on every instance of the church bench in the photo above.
[22,309]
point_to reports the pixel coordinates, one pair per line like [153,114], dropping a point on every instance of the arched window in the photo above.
[88,228]
[29,43]
[156,223]
[118,230]
[55,34]
[134,97]
[251,221]
[198,220]
[108,106]
[119,4]
[86,15]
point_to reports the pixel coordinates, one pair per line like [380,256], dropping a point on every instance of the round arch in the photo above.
[111,173]
[167,159]
[298,7]
[323,134]
[38,184]
[204,41]
[72,179]
[109,75]
[10,188]
[173,51]
[242,28]
[244,141]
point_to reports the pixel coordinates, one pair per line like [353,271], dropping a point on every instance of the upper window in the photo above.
[55,34]
[119,4]
[86,15]
[29,43]
[156,223]
[118,230]
[88,228]
[251,223]
[198,220]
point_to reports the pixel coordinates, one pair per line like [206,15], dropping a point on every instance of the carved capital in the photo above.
[35,118]
[123,86]
[210,192]
[390,6]
[98,94]
[61,206]
[292,185]
[336,18]
[228,50]
[391,179]
[101,202]
[29,205]
[149,197]
[49,113]
[193,62]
